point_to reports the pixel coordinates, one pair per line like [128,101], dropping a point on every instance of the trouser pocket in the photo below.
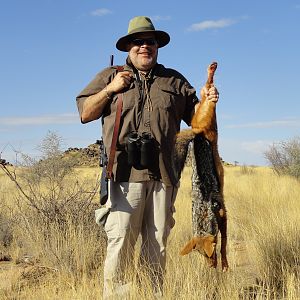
[101,215]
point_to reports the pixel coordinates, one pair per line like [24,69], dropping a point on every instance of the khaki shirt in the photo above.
[172,100]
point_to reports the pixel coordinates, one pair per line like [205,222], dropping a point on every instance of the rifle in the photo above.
[103,161]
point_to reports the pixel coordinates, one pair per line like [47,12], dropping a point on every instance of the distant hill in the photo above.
[88,156]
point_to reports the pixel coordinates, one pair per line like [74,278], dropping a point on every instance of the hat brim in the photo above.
[162,38]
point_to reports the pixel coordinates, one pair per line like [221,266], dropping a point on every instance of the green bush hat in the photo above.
[138,25]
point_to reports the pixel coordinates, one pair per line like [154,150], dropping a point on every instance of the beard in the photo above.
[144,62]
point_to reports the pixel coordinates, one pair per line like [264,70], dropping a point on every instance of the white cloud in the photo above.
[211,24]
[243,151]
[67,118]
[268,124]
[256,147]
[100,12]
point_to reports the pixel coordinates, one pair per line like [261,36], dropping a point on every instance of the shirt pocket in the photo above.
[168,98]
[172,101]
[129,98]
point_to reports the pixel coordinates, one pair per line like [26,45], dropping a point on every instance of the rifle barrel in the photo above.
[111,63]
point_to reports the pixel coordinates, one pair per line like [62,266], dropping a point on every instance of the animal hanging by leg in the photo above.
[208,209]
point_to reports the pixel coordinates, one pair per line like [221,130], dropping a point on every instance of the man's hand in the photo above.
[210,94]
[121,81]
[93,106]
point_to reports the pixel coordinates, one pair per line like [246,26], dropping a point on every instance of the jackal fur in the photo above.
[208,208]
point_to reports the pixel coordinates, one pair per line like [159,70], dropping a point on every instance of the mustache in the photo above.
[145,52]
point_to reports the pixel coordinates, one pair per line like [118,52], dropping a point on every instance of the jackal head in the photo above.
[206,245]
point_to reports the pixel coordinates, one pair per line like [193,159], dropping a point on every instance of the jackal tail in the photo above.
[182,142]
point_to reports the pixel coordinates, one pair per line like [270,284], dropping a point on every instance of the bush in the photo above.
[6,234]
[284,157]
[55,211]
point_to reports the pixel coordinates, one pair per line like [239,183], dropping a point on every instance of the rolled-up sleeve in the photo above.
[95,86]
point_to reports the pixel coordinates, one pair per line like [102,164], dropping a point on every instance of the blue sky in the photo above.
[50,49]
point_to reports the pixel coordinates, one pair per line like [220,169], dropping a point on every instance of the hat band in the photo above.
[141,29]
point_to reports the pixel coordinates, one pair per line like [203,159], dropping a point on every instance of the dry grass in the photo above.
[263,247]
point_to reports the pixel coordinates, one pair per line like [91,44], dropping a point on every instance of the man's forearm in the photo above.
[93,106]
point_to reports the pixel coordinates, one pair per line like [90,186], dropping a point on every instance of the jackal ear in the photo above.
[209,246]
[188,247]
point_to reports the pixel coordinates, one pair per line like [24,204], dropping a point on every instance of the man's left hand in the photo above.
[210,94]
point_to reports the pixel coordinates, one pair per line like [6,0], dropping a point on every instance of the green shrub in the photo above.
[284,157]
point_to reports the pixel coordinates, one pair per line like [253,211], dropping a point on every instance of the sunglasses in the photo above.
[141,42]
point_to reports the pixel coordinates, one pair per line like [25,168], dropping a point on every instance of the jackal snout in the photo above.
[206,245]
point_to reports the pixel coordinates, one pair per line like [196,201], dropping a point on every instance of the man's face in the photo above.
[143,51]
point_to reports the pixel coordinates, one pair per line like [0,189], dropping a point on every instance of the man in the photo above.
[141,194]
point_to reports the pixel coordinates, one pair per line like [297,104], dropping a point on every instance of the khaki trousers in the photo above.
[144,208]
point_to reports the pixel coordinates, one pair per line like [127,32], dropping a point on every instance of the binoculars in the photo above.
[141,150]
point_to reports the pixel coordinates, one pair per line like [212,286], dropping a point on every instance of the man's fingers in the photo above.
[127,81]
[211,93]
[123,79]
[126,74]
[213,97]
[213,90]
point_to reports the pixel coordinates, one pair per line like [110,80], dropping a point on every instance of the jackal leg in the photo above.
[204,120]
[223,230]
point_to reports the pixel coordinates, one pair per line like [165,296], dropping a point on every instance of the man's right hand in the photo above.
[121,81]
[93,106]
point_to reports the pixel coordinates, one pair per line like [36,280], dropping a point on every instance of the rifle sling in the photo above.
[111,158]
